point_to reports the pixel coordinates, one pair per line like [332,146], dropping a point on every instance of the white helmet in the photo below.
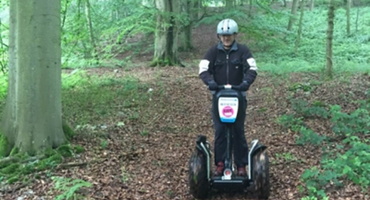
[227,27]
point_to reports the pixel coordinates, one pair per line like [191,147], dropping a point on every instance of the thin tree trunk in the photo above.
[329,40]
[300,25]
[229,4]
[186,39]
[32,118]
[250,8]
[348,14]
[293,12]
[312,5]
[91,30]
[357,16]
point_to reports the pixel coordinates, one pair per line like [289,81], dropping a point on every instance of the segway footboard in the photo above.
[236,184]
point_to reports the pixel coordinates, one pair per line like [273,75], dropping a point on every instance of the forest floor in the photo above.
[148,159]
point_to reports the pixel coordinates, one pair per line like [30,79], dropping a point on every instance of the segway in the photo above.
[201,181]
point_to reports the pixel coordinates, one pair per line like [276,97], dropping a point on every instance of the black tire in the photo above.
[261,175]
[198,180]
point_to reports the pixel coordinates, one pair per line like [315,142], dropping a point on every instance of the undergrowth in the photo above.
[350,159]
[17,167]
[68,187]
[120,101]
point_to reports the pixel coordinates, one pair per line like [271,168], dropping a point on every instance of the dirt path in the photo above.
[147,157]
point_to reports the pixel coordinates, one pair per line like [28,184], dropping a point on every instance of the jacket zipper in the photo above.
[227,68]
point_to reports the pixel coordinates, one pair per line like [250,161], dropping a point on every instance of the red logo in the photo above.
[227,111]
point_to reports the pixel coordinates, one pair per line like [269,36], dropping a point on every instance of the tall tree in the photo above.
[229,4]
[32,118]
[166,35]
[188,7]
[348,14]
[300,25]
[293,12]
[329,40]
[89,25]
[312,4]
[192,13]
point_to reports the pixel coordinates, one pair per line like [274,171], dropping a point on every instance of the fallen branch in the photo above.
[11,159]
[73,164]
[8,189]
[8,160]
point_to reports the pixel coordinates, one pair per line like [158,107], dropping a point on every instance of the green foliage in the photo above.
[351,165]
[3,87]
[104,143]
[50,162]
[286,156]
[9,169]
[3,146]
[144,132]
[308,136]
[18,166]
[304,109]
[74,79]
[69,187]
[118,27]
[290,121]
[306,87]
[121,95]
[354,163]
[314,198]
[350,52]
[66,150]
[314,180]
[357,122]
[4,46]
[68,131]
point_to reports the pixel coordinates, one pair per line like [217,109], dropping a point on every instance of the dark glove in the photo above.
[244,86]
[212,85]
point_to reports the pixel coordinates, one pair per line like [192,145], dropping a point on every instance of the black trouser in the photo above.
[240,146]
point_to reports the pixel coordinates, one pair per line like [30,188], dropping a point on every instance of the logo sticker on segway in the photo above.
[228,109]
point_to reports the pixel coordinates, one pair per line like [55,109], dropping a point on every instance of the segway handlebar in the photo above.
[234,87]
[228,87]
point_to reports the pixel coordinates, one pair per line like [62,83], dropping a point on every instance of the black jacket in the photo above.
[228,66]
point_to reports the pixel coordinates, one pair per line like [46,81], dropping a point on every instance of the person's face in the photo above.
[227,40]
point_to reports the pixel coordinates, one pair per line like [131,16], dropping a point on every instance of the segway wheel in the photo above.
[261,174]
[198,181]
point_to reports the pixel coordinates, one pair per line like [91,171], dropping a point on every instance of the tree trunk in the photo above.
[229,4]
[166,35]
[292,18]
[250,13]
[312,5]
[190,7]
[357,16]
[91,30]
[348,13]
[32,117]
[329,40]
[300,25]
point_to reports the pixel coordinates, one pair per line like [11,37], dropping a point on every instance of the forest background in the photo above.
[316,97]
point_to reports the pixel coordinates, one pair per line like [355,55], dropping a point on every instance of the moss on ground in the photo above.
[17,166]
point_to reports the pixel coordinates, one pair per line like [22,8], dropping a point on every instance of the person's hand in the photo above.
[244,86]
[212,85]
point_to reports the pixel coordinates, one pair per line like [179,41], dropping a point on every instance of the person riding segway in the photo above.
[228,69]
[229,62]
